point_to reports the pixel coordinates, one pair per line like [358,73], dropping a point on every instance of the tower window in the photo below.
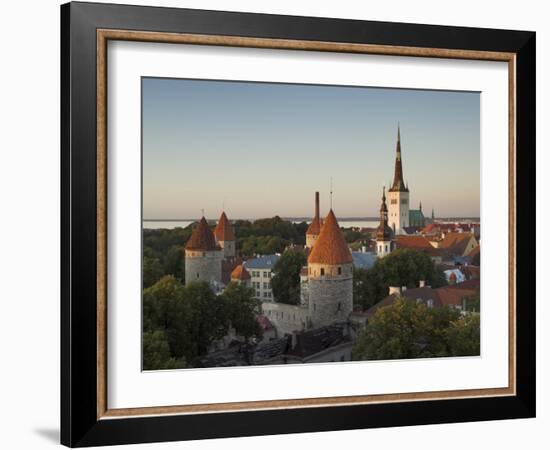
[386,248]
[339,271]
[322,271]
[197,274]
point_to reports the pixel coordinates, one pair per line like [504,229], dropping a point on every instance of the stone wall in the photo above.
[228,248]
[330,299]
[286,318]
[203,266]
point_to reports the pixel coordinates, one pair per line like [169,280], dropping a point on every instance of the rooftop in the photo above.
[330,247]
[202,238]
[261,262]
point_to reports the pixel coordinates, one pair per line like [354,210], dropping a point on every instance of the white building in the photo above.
[261,272]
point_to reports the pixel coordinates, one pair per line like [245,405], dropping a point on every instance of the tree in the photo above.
[152,271]
[404,267]
[285,282]
[361,293]
[243,308]
[406,330]
[462,336]
[174,262]
[156,352]
[352,235]
[191,317]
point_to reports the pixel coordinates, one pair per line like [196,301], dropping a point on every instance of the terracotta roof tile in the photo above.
[240,273]
[330,247]
[224,230]
[202,238]
[416,242]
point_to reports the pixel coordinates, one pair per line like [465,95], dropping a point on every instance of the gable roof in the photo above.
[261,262]
[330,247]
[202,238]
[224,230]
[240,273]
[456,242]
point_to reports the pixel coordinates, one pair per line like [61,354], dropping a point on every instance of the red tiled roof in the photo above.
[456,242]
[240,273]
[330,247]
[474,252]
[224,230]
[416,242]
[202,238]
[315,226]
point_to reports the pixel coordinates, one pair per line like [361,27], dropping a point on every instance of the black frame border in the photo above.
[79,423]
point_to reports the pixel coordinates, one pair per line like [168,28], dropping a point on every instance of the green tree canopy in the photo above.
[286,279]
[243,308]
[404,267]
[156,352]
[407,329]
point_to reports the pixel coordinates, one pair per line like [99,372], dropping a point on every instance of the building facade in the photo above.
[261,272]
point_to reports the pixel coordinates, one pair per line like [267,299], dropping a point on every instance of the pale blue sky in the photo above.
[262,149]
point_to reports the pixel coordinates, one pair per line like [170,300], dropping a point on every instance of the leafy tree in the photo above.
[404,267]
[156,352]
[174,262]
[352,235]
[462,336]
[243,308]
[152,271]
[361,293]
[286,277]
[405,330]
[191,317]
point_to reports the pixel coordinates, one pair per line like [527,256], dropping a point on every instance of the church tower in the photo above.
[225,237]
[398,217]
[384,234]
[330,276]
[203,257]
[315,227]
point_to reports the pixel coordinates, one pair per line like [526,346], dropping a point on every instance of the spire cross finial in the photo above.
[330,192]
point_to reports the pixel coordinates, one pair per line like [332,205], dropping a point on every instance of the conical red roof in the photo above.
[240,273]
[316,223]
[224,230]
[202,238]
[315,226]
[330,247]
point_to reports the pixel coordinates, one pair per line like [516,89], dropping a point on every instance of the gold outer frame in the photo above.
[104,35]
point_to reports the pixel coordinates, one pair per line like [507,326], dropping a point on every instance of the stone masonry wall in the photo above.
[330,300]
[203,266]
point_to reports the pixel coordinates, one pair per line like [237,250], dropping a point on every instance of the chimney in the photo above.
[422,283]
[363,249]
[316,204]
[394,290]
[403,288]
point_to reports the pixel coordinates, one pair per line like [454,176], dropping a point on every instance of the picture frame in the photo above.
[86,418]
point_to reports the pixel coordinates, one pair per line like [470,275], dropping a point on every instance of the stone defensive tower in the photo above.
[330,276]
[384,234]
[225,237]
[399,195]
[203,257]
[315,227]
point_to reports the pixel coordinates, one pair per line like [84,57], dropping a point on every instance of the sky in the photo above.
[263,149]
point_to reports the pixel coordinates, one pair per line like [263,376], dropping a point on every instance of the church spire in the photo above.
[398,184]
[383,232]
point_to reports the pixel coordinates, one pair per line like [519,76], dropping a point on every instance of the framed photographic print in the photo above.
[276,224]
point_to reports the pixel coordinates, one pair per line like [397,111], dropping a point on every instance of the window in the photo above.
[386,248]
[266,275]
[197,274]
[258,294]
[322,271]
[265,286]
[339,271]
[265,294]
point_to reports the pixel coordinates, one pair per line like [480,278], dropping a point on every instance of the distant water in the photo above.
[170,224]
